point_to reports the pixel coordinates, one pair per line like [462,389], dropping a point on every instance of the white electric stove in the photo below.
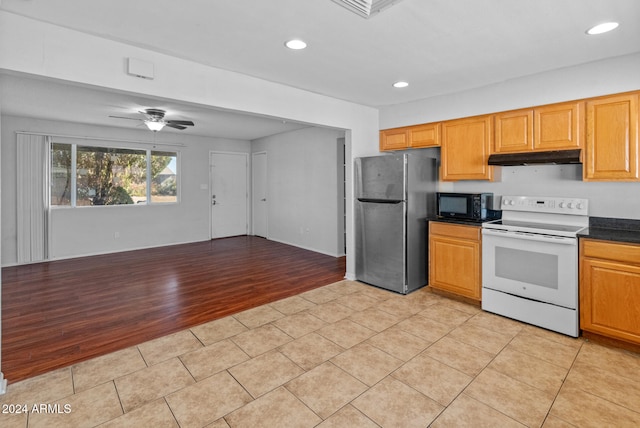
[530,261]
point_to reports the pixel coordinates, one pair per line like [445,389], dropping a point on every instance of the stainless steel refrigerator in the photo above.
[394,196]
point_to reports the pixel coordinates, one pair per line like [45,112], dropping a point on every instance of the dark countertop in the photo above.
[612,229]
[457,221]
[600,228]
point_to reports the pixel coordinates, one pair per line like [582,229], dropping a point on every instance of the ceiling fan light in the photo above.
[153,125]
[400,84]
[602,28]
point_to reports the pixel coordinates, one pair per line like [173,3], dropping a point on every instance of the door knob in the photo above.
[264,199]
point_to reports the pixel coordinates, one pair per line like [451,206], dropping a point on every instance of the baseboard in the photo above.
[3,384]
[102,253]
[315,250]
[611,342]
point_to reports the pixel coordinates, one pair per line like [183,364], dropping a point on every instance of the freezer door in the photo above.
[380,178]
[380,244]
[422,178]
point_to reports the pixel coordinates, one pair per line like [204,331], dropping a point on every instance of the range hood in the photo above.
[536,158]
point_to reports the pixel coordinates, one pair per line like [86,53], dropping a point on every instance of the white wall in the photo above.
[41,49]
[91,230]
[3,381]
[302,188]
[606,199]
[611,76]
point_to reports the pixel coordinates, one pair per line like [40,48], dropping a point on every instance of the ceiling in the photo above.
[49,99]
[438,46]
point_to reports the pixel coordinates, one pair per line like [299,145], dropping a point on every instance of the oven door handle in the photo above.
[530,236]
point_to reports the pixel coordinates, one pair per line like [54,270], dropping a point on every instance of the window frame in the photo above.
[148,153]
[177,174]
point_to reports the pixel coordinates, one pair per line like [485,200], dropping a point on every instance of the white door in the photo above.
[259,193]
[229,194]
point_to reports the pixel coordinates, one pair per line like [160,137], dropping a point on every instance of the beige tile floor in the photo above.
[344,355]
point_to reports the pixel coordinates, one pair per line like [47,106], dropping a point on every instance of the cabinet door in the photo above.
[394,139]
[454,266]
[427,135]
[612,139]
[466,145]
[514,131]
[610,299]
[559,126]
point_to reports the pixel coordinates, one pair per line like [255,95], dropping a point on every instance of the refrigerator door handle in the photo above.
[381,201]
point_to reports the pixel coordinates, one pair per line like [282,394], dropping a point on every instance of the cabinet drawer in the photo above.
[455,230]
[626,253]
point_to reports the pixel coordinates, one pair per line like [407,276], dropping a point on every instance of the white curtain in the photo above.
[33,197]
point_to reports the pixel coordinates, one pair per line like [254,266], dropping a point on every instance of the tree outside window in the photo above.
[164,184]
[111,176]
[61,174]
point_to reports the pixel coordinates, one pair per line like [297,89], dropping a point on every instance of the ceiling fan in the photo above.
[154,119]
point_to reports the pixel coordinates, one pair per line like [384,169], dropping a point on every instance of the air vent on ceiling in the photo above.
[366,8]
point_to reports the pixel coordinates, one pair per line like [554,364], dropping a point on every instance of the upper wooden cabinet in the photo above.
[466,145]
[410,137]
[427,135]
[612,139]
[551,127]
[394,139]
[514,131]
[558,126]
[605,127]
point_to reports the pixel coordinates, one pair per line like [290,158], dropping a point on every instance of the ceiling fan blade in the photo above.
[180,122]
[153,113]
[173,125]
[122,117]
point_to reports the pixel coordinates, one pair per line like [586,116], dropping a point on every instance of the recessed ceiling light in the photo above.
[602,28]
[400,84]
[295,44]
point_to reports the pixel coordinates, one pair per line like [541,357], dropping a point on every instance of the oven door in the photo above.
[538,267]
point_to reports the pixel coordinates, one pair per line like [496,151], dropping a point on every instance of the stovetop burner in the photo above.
[527,226]
[543,215]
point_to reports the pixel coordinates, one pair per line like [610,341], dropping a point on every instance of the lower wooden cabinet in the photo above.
[454,259]
[610,289]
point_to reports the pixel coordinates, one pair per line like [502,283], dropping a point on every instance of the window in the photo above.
[61,174]
[92,176]
[164,181]
[108,176]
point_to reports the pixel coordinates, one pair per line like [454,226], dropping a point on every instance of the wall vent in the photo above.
[366,8]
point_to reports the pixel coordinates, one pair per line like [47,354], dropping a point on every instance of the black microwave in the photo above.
[467,206]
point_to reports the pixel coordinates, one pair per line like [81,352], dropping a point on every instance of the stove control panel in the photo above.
[542,204]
